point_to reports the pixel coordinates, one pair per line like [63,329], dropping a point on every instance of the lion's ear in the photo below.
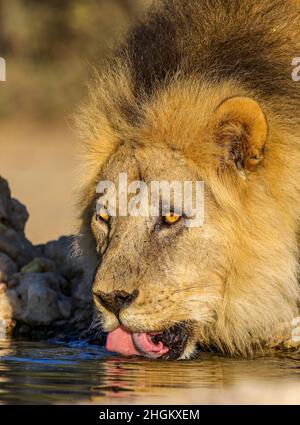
[240,128]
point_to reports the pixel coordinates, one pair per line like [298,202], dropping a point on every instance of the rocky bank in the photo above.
[43,292]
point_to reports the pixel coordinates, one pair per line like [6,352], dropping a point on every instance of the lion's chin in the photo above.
[168,344]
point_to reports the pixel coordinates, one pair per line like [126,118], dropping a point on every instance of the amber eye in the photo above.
[103,215]
[172,218]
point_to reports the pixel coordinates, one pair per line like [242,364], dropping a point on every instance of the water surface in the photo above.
[52,372]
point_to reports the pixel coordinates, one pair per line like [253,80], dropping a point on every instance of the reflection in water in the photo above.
[47,372]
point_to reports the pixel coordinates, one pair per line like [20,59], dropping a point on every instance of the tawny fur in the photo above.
[151,114]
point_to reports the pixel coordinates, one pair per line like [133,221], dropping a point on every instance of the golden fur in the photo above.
[235,279]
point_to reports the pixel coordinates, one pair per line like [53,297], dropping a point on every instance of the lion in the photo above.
[199,91]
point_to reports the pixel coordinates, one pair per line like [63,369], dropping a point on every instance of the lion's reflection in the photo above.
[123,380]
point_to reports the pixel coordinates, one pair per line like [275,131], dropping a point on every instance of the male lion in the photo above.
[201,90]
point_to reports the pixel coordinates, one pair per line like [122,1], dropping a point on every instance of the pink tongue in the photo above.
[130,344]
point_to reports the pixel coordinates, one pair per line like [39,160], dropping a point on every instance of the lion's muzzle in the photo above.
[115,301]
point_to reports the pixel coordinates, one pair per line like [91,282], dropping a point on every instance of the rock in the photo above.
[24,329]
[18,215]
[60,252]
[6,328]
[42,305]
[26,251]
[15,245]
[4,189]
[65,307]
[13,281]
[39,265]
[9,241]
[4,199]
[42,291]
[35,303]
[6,309]
[65,287]
[82,289]
[7,267]
[11,211]
[40,250]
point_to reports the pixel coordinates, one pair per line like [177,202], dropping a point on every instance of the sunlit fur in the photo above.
[149,114]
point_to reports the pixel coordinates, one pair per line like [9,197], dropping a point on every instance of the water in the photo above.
[51,372]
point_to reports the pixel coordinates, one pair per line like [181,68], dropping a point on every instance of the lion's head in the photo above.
[163,289]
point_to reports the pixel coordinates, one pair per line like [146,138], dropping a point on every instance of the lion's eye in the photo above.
[103,215]
[171,218]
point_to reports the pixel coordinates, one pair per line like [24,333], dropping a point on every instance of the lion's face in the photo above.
[163,289]
[169,272]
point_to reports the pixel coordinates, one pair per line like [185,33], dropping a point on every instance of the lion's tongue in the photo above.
[120,341]
[129,344]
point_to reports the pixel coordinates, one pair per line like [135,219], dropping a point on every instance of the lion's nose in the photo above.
[116,300]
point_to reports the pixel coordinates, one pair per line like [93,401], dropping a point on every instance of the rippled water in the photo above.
[49,372]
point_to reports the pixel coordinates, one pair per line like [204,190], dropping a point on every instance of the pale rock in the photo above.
[6,309]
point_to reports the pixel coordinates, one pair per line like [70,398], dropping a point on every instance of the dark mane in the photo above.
[245,40]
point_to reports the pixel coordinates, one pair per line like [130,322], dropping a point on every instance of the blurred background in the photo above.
[50,48]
